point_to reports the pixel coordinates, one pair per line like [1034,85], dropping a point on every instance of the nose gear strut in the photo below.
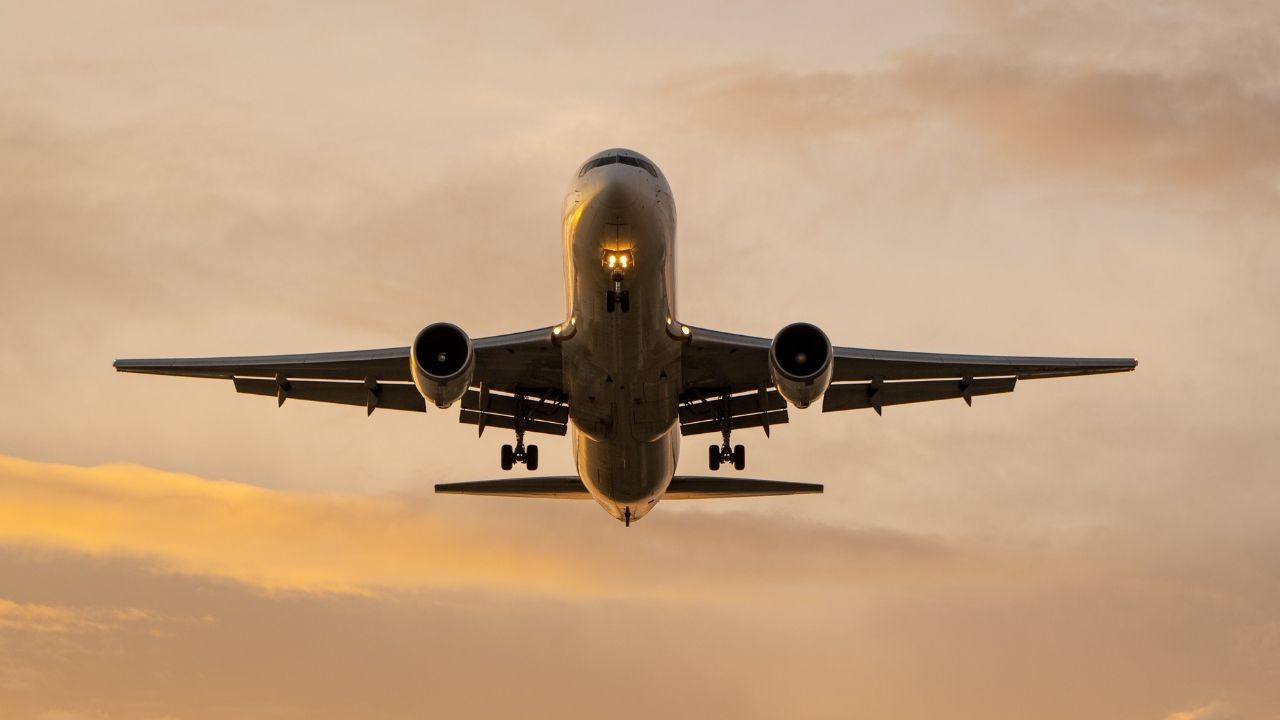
[617,296]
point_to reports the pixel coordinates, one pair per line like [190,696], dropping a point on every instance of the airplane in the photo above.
[621,373]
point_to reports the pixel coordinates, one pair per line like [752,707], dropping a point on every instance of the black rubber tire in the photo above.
[531,457]
[713,457]
[739,457]
[610,299]
[625,301]
[508,457]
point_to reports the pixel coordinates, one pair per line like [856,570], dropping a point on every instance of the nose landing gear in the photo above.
[617,296]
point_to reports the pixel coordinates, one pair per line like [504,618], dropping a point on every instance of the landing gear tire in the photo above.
[739,457]
[625,301]
[713,457]
[610,299]
[508,457]
[531,457]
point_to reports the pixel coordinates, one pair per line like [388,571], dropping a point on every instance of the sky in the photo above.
[188,178]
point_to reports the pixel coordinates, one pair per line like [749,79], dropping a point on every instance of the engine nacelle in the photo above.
[800,363]
[442,362]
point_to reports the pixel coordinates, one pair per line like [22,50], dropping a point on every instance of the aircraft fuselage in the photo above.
[622,357]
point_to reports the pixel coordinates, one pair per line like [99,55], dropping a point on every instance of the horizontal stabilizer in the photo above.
[569,487]
[697,488]
[563,487]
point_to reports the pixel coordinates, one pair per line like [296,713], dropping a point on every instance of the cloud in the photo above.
[368,545]
[1199,131]
[1212,711]
[32,617]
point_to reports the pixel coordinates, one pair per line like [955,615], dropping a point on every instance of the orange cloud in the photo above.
[1212,711]
[33,617]
[363,545]
[270,539]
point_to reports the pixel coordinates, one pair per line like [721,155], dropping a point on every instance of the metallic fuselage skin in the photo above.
[622,369]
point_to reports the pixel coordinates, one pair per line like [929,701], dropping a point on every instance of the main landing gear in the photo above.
[528,456]
[617,297]
[717,454]
[724,453]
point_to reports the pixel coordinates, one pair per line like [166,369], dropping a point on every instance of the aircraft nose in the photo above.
[617,189]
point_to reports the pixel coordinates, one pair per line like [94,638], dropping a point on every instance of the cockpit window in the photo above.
[624,159]
[637,162]
[606,160]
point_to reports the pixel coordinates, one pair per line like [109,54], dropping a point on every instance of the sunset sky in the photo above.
[208,178]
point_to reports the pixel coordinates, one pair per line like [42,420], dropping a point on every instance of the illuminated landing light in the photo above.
[620,260]
[685,331]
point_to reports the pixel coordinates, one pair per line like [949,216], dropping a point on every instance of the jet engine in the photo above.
[800,362]
[442,362]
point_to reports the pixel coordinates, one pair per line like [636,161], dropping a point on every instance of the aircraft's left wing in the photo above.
[525,364]
[727,376]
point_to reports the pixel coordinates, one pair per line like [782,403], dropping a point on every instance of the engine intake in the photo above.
[800,363]
[442,362]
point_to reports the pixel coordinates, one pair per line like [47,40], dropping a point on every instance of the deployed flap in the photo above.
[395,396]
[855,396]
[696,488]
[561,487]
[702,412]
[540,411]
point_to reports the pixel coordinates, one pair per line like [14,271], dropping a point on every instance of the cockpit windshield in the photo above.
[624,159]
